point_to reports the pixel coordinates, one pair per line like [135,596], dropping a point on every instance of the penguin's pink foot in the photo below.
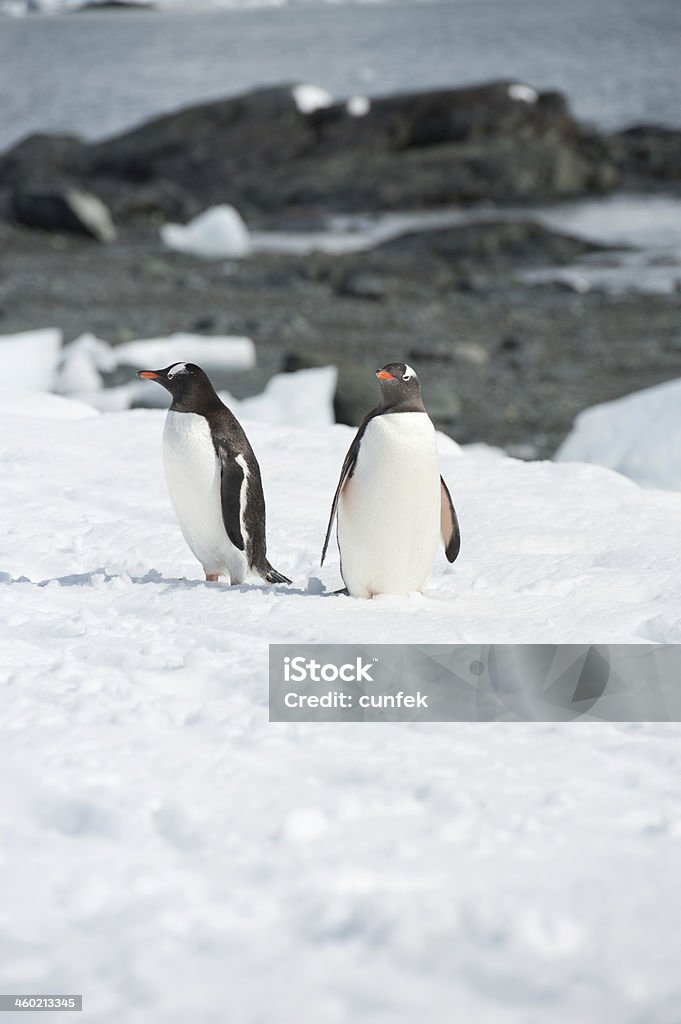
[212,577]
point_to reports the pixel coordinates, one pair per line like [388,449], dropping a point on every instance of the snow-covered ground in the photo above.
[176,858]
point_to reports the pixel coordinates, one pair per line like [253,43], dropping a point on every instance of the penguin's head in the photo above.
[189,385]
[399,384]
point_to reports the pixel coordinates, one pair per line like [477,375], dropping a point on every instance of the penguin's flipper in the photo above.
[232,478]
[449,524]
[346,472]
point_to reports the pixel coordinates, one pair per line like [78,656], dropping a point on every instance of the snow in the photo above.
[523,93]
[82,364]
[85,361]
[217,233]
[175,857]
[215,352]
[300,399]
[358,106]
[309,98]
[92,213]
[638,435]
[303,399]
[18,402]
[29,359]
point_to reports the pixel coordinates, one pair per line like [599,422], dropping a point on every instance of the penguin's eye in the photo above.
[406,377]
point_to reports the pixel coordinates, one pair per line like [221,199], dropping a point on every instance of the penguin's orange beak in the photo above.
[149,375]
[384,375]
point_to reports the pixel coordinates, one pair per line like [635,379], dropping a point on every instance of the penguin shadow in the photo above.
[314,587]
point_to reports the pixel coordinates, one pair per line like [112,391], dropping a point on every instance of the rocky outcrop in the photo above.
[259,152]
[68,209]
[648,152]
[40,159]
[493,244]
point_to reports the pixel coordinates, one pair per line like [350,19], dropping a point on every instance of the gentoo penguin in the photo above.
[391,502]
[213,478]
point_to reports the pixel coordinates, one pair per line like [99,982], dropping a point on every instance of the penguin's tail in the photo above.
[271,575]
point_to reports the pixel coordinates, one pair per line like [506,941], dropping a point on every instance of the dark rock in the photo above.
[492,243]
[213,149]
[204,323]
[648,151]
[107,5]
[442,402]
[471,353]
[296,330]
[356,391]
[66,209]
[358,285]
[260,153]
[157,200]
[39,159]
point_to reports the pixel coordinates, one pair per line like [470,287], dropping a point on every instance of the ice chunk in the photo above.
[81,364]
[639,436]
[29,360]
[300,399]
[217,233]
[221,352]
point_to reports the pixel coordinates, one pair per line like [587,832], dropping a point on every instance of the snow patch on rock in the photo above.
[358,106]
[523,93]
[309,98]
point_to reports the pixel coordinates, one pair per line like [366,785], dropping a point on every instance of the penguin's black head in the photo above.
[399,386]
[189,385]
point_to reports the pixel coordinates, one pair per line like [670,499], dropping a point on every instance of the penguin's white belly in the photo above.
[389,510]
[193,475]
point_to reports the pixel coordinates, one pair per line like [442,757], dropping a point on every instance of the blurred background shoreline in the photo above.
[525,255]
[617,60]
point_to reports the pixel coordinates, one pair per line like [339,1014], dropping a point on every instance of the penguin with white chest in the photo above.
[213,478]
[392,505]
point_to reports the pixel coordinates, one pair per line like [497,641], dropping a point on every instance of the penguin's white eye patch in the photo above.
[177,368]
[408,373]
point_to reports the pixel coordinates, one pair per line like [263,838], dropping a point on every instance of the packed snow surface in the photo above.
[174,857]
[18,402]
[639,436]
[217,233]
